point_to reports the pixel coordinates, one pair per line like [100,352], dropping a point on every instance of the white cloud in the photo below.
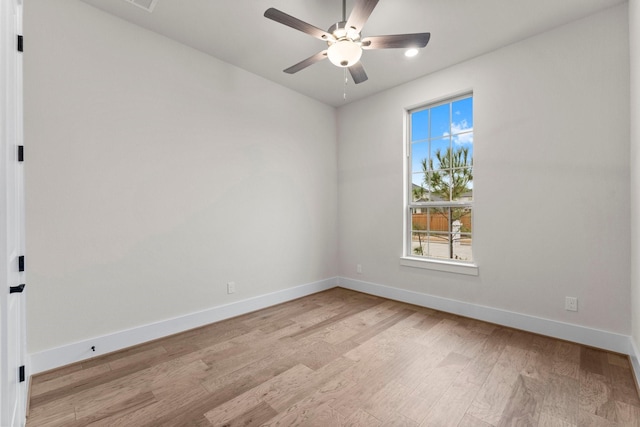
[465,138]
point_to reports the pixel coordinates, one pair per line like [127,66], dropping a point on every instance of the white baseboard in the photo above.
[552,328]
[635,364]
[78,351]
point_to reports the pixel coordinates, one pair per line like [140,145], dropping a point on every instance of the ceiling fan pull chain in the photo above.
[344,93]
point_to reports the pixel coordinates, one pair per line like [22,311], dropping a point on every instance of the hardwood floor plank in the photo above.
[387,400]
[471,421]
[262,392]
[566,359]
[494,395]
[248,376]
[73,379]
[484,362]
[594,361]
[72,389]
[122,407]
[110,394]
[361,418]
[52,414]
[312,382]
[452,406]
[627,415]
[148,356]
[562,399]
[592,420]
[340,358]
[317,354]
[282,312]
[384,324]
[396,420]
[434,387]
[548,419]
[426,359]
[254,417]
[622,384]
[596,396]
[525,404]
[369,379]
[296,413]
[167,412]
[341,314]
[57,373]
[322,416]
[237,383]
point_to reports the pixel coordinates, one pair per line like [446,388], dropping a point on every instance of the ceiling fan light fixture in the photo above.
[411,52]
[344,53]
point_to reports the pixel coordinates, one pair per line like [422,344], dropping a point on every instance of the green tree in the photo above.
[449,181]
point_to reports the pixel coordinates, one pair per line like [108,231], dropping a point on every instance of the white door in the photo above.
[12,302]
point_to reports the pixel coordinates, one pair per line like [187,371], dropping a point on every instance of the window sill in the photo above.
[447,266]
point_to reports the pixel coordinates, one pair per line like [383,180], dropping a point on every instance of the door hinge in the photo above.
[21,374]
[21,263]
[21,153]
[20,43]
[17,289]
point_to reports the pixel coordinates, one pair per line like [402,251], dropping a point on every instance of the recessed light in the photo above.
[410,53]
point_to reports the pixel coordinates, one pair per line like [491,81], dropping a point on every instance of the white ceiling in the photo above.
[236,31]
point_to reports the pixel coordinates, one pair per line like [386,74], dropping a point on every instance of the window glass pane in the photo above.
[419,193]
[420,125]
[461,184]
[464,140]
[419,220]
[417,179]
[438,245]
[462,116]
[419,244]
[461,157]
[439,153]
[438,219]
[440,185]
[462,247]
[461,220]
[440,117]
[462,150]
[419,153]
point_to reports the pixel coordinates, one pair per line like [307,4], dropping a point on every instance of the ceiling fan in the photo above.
[344,39]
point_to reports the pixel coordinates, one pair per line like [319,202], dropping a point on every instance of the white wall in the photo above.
[634,38]
[156,174]
[551,176]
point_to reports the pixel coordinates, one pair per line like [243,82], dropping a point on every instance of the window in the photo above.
[440,184]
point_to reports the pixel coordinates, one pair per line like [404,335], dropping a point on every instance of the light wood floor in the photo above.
[343,358]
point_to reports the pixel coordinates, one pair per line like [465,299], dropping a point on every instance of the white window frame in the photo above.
[409,259]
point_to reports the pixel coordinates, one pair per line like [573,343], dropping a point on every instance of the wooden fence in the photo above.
[438,222]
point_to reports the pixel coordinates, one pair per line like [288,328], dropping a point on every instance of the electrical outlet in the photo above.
[231,287]
[571,303]
[359,268]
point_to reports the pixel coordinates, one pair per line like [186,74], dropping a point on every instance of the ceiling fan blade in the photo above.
[305,63]
[357,73]
[297,24]
[360,13]
[396,41]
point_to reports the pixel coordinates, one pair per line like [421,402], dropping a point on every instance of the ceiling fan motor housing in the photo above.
[346,49]
[340,31]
